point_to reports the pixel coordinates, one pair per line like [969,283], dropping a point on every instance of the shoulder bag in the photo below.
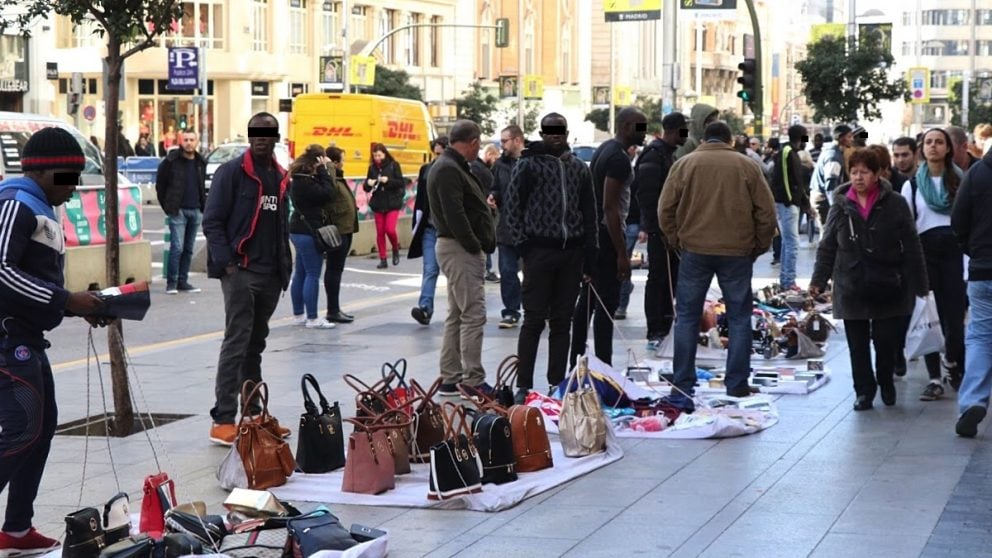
[506,374]
[267,459]
[317,531]
[395,424]
[117,518]
[159,496]
[138,546]
[582,424]
[369,466]
[83,534]
[320,446]
[456,468]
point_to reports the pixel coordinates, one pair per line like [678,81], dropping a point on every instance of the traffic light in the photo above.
[748,80]
[502,32]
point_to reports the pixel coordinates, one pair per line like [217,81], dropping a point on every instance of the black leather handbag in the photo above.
[139,546]
[318,531]
[208,529]
[83,534]
[117,518]
[456,468]
[506,374]
[491,434]
[320,446]
[174,545]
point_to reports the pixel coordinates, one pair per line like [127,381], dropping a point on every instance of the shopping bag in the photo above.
[924,335]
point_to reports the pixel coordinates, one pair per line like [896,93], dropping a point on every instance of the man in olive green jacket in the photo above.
[466,233]
[717,208]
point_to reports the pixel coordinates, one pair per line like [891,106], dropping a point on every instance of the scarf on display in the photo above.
[936,198]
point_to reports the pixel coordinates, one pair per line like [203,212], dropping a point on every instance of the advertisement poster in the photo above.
[84,218]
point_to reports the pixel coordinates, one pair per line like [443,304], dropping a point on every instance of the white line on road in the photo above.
[370,272]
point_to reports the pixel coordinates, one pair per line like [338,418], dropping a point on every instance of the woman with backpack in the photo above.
[930,194]
[385,183]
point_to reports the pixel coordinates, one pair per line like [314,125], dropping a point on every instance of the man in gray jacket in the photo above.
[466,233]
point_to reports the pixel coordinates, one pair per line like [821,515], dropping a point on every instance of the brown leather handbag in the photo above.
[369,467]
[531,446]
[267,458]
[428,422]
[395,424]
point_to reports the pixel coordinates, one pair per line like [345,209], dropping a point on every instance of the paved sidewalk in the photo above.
[823,482]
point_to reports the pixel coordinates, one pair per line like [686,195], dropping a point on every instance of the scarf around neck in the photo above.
[937,198]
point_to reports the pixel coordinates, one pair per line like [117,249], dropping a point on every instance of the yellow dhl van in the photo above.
[353,122]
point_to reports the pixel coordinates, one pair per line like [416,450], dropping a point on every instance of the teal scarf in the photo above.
[936,198]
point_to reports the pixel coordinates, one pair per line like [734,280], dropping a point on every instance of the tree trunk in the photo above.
[123,411]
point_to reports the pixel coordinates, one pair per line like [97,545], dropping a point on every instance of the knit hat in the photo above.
[52,148]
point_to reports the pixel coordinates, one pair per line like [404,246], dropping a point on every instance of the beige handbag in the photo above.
[582,424]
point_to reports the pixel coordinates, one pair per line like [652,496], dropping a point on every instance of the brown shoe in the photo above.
[223,434]
[273,426]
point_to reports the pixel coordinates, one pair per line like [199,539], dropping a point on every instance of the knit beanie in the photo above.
[52,148]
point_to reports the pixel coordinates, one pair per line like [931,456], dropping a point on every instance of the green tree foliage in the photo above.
[600,118]
[841,83]
[978,110]
[532,110]
[478,105]
[650,106]
[394,83]
[735,121]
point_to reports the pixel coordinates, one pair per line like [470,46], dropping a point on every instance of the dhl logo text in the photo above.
[336,131]
[401,130]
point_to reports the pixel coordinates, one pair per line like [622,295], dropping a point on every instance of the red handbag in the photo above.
[160,497]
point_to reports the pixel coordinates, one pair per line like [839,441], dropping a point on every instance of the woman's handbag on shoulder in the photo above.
[328,237]
[320,446]
[456,468]
[582,424]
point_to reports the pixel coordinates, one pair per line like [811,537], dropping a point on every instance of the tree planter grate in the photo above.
[103,424]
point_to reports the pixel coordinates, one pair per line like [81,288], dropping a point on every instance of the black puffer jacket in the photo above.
[969,218]
[170,181]
[550,201]
[309,194]
[389,196]
[649,175]
[890,232]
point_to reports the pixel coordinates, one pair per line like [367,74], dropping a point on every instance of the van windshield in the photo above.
[12,143]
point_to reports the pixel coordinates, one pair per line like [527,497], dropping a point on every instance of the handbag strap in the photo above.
[455,421]
[397,370]
[356,384]
[475,396]
[259,391]
[426,395]
[307,401]
[506,373]
[580,376]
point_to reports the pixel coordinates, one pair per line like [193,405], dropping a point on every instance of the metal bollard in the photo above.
[165,249]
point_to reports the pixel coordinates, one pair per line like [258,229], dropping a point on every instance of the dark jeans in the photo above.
[945,270]
[509,281]
[659,291]
[777,247]
[249,301]
[28,415]
[332,277]
[604,280]
[733,273]
[552,279]
[182,233]
[630,240]
[883,334]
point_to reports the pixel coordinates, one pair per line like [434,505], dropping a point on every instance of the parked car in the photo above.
[227,151]
[584,151]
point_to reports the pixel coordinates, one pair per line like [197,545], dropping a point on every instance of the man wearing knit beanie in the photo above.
[33,300]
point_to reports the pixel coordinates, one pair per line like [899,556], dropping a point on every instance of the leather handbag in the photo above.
[261,543]
[266,420]
[506,374]
[117,518]
[369,400]
[427,429]
[395,425]
[369,467]
[175,545]
[492,437]
[318,531]
[394,387]
[531,445]
[209,530]
[159,495]
[320,445]
[83,534]
[582,424]
[456,467]
[139,546]
[267,459]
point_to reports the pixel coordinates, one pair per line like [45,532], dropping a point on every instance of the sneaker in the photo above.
[299,319]
[492,277]
[171,289]
[31,543]
[967,425]
[521,396]
[448,390]
[932,392]
[484,388]
[187,288]
[421,314]
[509,322]
[653,345]
[319,323]
[273,426]
[776,261]
[223,434]
[620,314]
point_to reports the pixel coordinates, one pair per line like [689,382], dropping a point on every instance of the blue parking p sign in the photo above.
[184,68]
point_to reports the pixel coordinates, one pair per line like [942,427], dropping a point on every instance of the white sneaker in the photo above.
[299,319]
[319,323]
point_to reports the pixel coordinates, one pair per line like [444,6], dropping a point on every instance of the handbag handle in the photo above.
[307,401]
[506,373]
[397,370]
[384,419]
[581,376]
[452,413]
[475,396]
[428,395]
[259,391]
[355,383]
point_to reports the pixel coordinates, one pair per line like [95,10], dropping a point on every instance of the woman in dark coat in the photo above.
[341,212]
[872,252]
[385,182]
[310,189]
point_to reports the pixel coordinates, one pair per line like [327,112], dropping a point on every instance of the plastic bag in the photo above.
[924,335]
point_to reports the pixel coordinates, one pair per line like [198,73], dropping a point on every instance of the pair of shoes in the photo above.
[776,261]
[449,390]
[967,425]
[739,392]
[31,543]
[223,434]
[492,277]
[509,321]
[273,424]
[187,288]
[382,264]
[319,323]
[676,399]
[888,392]
[171,289]
[520,398]
[863,403]
[299,319]
[421,314]
[899,369]
[932,392]
[340,317]
[620,314]
[396,257]
[483,388]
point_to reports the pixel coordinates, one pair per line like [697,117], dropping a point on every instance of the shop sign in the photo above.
[13,85]
[260,88]
[184,68]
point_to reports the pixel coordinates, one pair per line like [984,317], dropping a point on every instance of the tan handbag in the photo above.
[369,467]
[582,424]
[267,458]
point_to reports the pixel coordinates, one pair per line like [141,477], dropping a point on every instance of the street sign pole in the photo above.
[758,105]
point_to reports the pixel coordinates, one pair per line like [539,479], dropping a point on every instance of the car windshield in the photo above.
[12,143]
[225,153]
[584,152]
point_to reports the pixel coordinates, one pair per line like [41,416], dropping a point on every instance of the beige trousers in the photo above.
[461,350]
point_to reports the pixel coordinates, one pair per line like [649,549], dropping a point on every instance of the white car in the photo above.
[225,152]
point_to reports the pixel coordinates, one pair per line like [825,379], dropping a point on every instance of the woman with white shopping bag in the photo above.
[872,252]
[931,194]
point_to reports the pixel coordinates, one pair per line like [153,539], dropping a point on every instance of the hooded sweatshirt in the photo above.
[697,124]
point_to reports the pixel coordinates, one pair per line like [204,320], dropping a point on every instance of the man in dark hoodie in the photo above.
[549,210]
[512,140]
[700,116]
[663,260]
[969,219]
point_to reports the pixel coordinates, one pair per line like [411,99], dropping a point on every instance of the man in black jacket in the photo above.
[663,260]
[969,218]
[246,223]
[512,139]
[791,197]
[424,241]
[179,186]
[549,211]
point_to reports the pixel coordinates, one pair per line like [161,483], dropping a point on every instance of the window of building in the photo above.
[388,46]
[89,86]
[907,18]
[84,34]
[164,114]
[983,48]
[435,39]
[260,25]
[202,25]
[907,48]
[486,44]
[983,17]
[331,25]
[565,71]
[359,23]
[529,46]
[298,24]
[415,35]
[946,17]
[259,97]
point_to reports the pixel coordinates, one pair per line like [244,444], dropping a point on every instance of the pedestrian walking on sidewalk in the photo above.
[33,300]
[791,200]
[466,233]
[872,252]
[342,212]
[310,189]
[830,171]
[549,213]
[424,241]
[181,191]
[512,139]
[717,208]
[387,187]
[971,224]
[247,228]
